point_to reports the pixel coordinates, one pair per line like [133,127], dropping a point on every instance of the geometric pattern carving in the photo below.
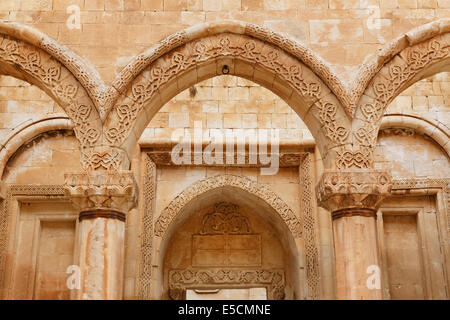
[144,279]
[196,189]
[106,113]
[180,280]
[352,189]
[208,49]
[56,80]
[309,228]
[394,77]
[225,239]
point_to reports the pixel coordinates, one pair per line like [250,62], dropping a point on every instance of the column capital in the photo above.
[102,193]
[357,192]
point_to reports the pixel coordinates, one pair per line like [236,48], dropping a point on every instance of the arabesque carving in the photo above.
[54,78]
[196,189]
[309,224]
[180,280]
[106,113]
[174,64]
[144,278]
[225,219]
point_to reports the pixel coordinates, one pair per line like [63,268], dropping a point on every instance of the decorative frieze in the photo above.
[180,280]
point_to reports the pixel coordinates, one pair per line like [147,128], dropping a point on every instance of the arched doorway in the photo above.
[229,238]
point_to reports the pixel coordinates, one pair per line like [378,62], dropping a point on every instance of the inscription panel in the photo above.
[226,250]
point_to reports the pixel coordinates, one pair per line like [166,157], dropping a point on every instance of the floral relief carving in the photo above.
[187,57]
[180,280]
[226,219]
[169,213]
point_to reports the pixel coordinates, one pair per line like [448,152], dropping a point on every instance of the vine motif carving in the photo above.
[30,60]
[180,280]
[227,45]
[202,186]
[145,265]
[309,228]
[225,219]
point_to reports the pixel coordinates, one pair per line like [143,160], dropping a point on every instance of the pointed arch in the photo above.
[28,54]
[418,54]
[436,132]
[269,197]
[239,49]
[27,131]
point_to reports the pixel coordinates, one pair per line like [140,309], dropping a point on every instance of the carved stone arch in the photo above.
[186,58]
[198,188]
[416,55]
[240,191]
[27,131]
[419,125]
[27,54]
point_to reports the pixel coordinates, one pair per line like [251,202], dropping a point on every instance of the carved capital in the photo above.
[102,190]
[363,189]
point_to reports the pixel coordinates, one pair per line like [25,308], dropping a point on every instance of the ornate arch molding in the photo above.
[169,213]
[27,131]
[81,69]
[28,54]
[197,32]
[229,53]
[420,53]
[417,123]
[368,71]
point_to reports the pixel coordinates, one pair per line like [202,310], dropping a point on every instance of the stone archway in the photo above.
[239,49]
[242,195]
[265,194]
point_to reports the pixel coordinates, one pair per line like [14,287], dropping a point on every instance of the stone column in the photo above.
[353,198]
[103,198]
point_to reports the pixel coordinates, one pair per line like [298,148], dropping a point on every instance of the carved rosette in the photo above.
[110,192]
[353,192]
